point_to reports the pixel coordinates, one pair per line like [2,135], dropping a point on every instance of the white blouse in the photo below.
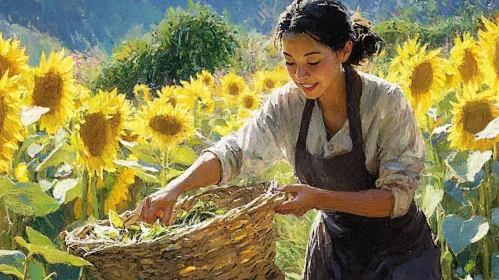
[393,146]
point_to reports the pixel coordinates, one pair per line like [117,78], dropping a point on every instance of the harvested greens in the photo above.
[202,211]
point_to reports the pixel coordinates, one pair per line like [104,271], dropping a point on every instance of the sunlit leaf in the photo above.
[460,233]
[36,270]
[10,270]
[184,155]
[13,258]
[34,149]
[466,166]
[139,165]
[8,186]
[61,153]
[66,190]
[490,132]
[52,255]
[30,115]
[115,220]
[431,197]
[142,152]
[29,199]
[37,238]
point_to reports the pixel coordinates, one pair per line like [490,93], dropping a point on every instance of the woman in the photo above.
[353,141]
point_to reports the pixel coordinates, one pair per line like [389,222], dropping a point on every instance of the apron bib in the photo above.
[347,246]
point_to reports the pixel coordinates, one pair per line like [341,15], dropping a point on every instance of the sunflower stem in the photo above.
[95,201]
[84,195]
[485,201]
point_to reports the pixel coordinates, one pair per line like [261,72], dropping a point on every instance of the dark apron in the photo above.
[346,246]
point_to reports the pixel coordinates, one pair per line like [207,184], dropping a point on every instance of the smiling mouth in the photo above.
[308,87]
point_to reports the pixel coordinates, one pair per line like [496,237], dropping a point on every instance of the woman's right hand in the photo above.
[158,205]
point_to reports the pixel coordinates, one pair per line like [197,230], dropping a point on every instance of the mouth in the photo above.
[308,87]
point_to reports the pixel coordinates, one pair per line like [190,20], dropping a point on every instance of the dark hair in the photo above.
[329,22]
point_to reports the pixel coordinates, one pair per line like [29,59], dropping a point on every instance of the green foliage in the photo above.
[179,47]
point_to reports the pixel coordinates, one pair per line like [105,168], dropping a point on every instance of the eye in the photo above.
[290,63]
[313,63]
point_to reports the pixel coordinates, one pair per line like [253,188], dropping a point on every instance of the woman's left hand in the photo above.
[305,197]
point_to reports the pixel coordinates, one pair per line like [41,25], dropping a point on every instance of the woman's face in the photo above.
[314,67]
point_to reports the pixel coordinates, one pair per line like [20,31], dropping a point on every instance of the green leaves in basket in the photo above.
[41,245]
[115,220]
[10,270]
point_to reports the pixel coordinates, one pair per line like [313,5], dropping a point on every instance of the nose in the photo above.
[301,72]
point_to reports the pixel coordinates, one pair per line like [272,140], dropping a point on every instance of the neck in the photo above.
[334,98]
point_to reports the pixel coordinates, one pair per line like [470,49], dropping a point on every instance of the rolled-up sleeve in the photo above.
[255,146]
[401,152]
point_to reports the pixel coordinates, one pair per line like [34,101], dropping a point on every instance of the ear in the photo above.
[346,51]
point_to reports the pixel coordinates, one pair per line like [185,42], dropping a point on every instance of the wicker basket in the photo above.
[237,245]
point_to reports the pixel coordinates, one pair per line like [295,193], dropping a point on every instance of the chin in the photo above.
[311,95]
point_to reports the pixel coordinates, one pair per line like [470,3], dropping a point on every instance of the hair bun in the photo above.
[368,43]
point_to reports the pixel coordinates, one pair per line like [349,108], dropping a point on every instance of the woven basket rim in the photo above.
[172,237]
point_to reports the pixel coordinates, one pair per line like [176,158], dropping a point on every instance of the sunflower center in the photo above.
[206,81]
[469,67]
[48,90]
[248,102]
[269,83]
[115,121]
[496,58]
[422,77]
[172,101]
[2,113]
[166,125]
[476,116]
[234,90]
[94,133]
[4,66]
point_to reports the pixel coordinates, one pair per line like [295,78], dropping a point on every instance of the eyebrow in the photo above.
[310,53]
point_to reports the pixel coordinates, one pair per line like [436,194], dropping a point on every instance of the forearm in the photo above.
[371,203]
[205,171]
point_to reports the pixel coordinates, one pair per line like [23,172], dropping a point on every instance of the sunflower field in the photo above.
[73,152]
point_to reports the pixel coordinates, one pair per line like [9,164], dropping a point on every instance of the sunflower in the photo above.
[119,196]
[464,54]
[13,59]
[406,52]
[10,122]
[206,78]
[281,74]
[21,172]
[174,95]
[201,93]
[163,124]
[249,100]
[266,81]
[141,92]
[470,116]
[450,74]
[82,96]
[489,52]
[423,79]
[54,89]
[232,124]
[119,108]
[232,86]
[93,137]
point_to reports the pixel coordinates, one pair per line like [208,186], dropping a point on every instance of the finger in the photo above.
[167,217]
[290,188]
[284,206]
